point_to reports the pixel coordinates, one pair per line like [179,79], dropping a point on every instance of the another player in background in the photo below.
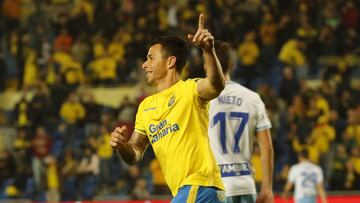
[308,180]
[238,117]
[174,121]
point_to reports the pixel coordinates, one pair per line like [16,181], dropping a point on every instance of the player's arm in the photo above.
[131,148]
[321,191]
[267,164]
[287,188]
[214,83]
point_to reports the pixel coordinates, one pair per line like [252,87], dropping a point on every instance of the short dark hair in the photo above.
[304,153]
[223,52]
[173,46]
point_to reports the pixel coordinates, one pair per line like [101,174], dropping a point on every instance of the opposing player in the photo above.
[308,180]
[174,121]
[236,118]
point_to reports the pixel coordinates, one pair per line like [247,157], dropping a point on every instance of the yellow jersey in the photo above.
[175,122]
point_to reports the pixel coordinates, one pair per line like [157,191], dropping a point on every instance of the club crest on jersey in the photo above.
[221,195]
[171,101]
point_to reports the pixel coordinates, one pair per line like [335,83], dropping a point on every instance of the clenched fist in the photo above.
[119,136]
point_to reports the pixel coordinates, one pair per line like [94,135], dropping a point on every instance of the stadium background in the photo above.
[70,72]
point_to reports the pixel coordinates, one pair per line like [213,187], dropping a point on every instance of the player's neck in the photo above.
[167,81]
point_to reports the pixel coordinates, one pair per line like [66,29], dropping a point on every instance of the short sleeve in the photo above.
[139,122]
[262,121]
[193,83]
[320,176]
[292,175]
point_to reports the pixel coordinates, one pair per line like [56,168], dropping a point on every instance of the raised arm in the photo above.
[131,148]
[214,83]
[267,163]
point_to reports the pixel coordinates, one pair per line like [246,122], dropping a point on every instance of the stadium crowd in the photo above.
[55,48]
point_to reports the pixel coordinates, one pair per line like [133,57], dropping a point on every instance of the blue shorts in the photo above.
[199,194]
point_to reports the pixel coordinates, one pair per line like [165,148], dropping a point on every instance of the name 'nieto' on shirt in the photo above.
[232,100]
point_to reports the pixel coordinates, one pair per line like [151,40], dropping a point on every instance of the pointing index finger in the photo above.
[201,21]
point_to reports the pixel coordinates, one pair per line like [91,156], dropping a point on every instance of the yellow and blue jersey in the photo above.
[175,122]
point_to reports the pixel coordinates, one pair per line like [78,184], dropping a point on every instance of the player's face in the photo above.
[156,65]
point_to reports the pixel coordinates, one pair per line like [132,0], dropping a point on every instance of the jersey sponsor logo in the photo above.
[171,101]
[162,129]
[149,109]
[229,100]
[234,169]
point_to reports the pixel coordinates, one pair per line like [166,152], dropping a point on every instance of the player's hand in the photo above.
[265,197]
[202,38]
[119,136]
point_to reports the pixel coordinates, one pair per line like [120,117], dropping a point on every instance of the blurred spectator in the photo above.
[286,28]
[328,92]
[30,71]
[7,167]
[131,176]
[323,134]
[268,30]
[353,125]
[86,8]
[346,101]
[339,173]
[3,73]
[12,11]
[127,110]
[350,14]
[3,118]
[63,41]
[72,111]
[22,155]
[104,70]
[106,19]
[71,71]
[327,41]
[248,53]
[81,49]
[92,114]
[41,106]
[53,181]
[317,107]
[330,14]
[140,191]
[88,173]
[13,59]
[292,54]
[355,168]
[41,145]
[105,153]
[158,180]
[68,176]
[69,164]
[289,85]
[305,29]
[195,69]
[22,111]
[268,35]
